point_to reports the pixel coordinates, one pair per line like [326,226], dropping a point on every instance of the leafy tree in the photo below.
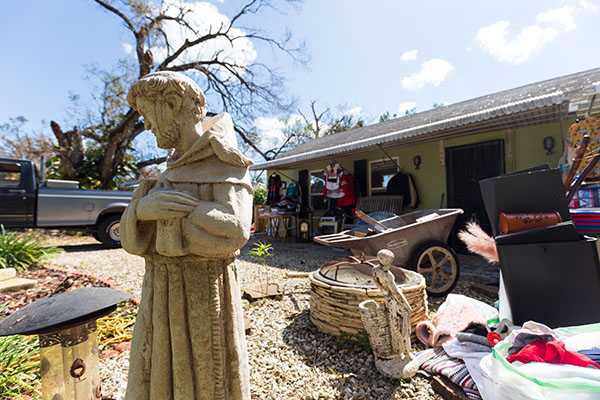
[387,116]
[345,123]
[174,36]
[260,196]
[15,143]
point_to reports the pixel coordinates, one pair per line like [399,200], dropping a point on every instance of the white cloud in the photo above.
[564,16]
[432,71]
[406,106]
[494,39]
[204,18]
[583,5]
[273,132]
[270,132]
[128,48]
[516,48]
[409,55]
[354,111]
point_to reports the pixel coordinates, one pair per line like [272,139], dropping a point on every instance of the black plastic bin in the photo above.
[551,274]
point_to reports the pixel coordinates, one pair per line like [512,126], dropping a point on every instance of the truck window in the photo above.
[10,174]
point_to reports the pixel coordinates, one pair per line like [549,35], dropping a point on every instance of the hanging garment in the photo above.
[273,188]
[292,190]
[347,186]
[414,198]
[402,184]
[333,174]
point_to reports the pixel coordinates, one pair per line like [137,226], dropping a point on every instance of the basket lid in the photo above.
[353,271]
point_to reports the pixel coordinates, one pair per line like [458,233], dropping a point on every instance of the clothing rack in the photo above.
[398,168]
[281,173]
[340,164]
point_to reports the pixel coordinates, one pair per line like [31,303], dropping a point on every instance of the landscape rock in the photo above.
[15,284]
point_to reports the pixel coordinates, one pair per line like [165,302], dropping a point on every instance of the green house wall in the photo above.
[523,148]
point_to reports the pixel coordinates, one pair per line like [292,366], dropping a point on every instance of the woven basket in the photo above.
[334,309]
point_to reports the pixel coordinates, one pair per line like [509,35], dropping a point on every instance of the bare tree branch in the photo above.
[245,89]
[152,161]
[119,13]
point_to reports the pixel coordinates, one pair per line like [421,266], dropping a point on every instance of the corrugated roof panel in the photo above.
[518,106]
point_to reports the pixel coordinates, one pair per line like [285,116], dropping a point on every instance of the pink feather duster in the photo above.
[479,242]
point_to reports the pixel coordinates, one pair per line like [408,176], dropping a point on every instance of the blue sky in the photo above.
[366,57]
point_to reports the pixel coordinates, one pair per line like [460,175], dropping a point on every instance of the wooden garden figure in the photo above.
[388,324]
[189,224]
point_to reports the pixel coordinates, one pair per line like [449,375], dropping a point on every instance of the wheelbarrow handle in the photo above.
[378,226]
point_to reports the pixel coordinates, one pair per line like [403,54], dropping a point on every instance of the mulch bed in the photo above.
[49,281]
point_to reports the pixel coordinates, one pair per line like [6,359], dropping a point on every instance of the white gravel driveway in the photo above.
[289,358]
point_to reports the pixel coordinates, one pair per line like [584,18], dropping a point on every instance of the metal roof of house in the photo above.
[536,103]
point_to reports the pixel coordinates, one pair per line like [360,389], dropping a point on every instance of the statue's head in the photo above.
[165,99]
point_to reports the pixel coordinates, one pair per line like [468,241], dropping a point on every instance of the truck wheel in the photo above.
[108,231]
[438,263]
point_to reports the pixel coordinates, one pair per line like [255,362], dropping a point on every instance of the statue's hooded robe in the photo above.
[188,341]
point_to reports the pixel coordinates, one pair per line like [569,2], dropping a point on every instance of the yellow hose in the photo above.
[115,329]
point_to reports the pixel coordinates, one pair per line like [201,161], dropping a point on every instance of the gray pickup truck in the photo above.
[53,204]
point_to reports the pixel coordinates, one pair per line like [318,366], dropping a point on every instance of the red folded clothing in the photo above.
[553,352]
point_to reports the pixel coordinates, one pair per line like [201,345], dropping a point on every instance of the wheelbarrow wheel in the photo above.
[438,263]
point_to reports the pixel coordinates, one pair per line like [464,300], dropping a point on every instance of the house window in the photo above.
[380,172]
[317,183]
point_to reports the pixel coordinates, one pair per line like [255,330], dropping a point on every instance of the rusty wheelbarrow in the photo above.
[418,240]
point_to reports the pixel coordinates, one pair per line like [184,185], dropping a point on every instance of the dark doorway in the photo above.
[465,167]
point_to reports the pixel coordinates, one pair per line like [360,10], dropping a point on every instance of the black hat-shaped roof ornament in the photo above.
[66,323]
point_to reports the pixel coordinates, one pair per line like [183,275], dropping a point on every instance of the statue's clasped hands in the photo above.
[167,204]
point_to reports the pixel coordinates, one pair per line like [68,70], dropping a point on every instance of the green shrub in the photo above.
[19,365]
[19,251]
[260,196]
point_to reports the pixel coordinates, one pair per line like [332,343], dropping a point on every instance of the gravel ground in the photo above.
[289,358]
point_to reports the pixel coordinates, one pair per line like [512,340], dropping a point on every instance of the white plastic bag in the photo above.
[501,380]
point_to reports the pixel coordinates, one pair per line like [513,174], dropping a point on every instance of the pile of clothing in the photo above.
[536,342]
[464,331]
[458,337]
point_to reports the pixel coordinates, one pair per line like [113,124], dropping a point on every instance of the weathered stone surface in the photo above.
[7,273]
[189,224]
[263,290]
[14,284]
